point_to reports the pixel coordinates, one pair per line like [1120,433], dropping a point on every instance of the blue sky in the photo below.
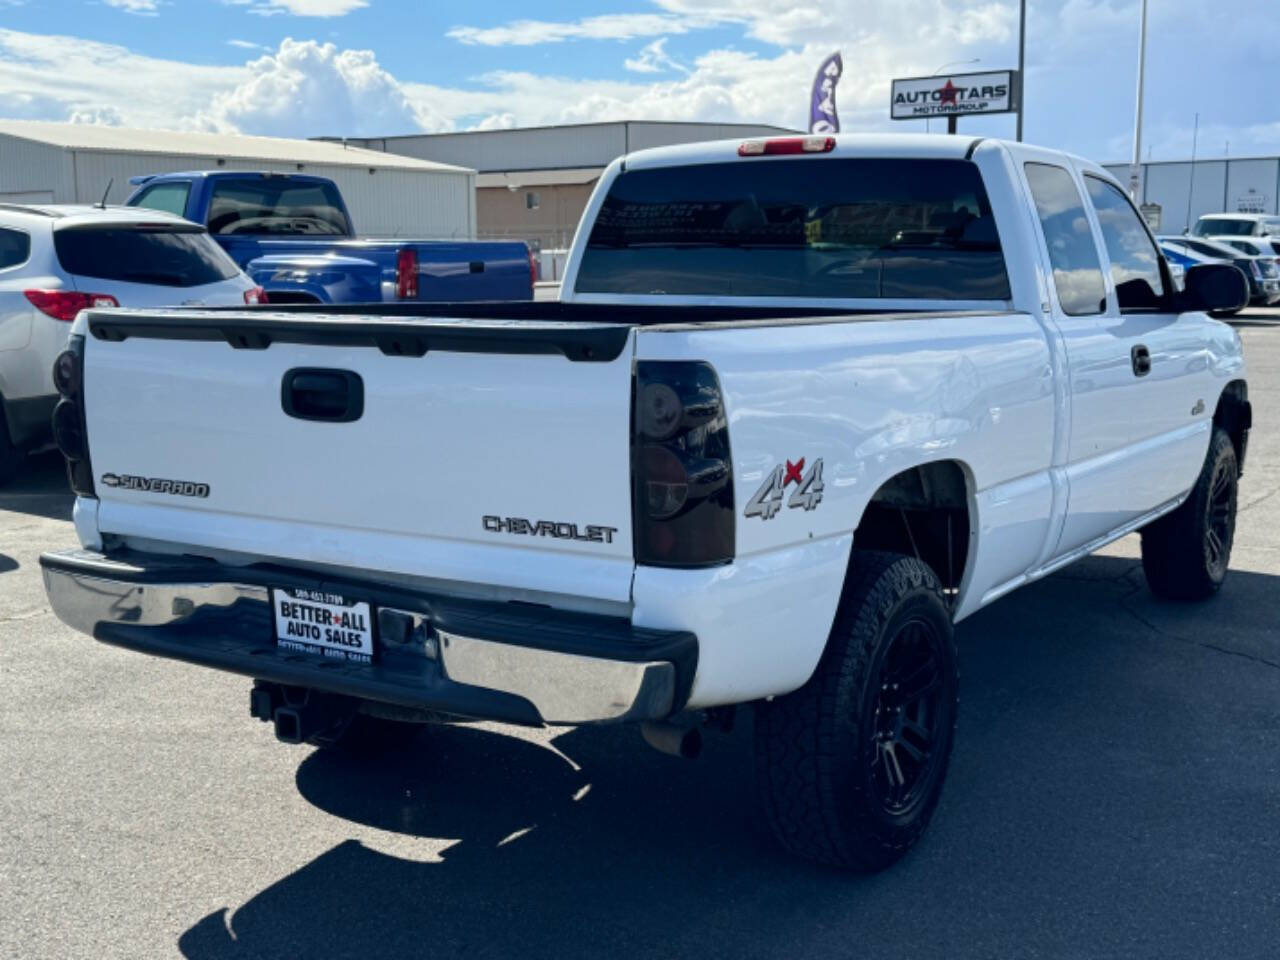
[368,67]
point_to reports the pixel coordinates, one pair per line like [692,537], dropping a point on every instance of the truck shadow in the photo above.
[1073,814]
[40,488]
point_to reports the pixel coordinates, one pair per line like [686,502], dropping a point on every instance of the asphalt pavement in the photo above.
[1115,792]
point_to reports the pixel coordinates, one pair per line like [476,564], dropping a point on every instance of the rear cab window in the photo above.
[1077,269]
[273,206]
[819,228]
[161,254]
[15,248]
[166,197]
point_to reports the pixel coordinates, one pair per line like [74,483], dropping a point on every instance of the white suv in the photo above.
[57,260]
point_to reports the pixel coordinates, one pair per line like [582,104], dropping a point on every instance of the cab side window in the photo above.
[15,248]
[166,197]
[1135,263]
[1077,271]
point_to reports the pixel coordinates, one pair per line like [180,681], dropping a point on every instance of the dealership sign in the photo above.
[955,95]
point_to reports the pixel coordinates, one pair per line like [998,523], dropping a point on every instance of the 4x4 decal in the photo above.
[808,493]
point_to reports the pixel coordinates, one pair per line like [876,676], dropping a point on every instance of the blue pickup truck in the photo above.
[292,234]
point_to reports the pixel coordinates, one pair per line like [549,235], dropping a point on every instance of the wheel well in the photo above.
[922,512]
[1235,415]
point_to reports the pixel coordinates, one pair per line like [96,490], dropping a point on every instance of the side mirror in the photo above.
[1214,287]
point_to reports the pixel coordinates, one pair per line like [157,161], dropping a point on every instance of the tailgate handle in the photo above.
[314,393]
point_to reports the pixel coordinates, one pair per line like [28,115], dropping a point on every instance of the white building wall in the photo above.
[385,203]
[1220,186]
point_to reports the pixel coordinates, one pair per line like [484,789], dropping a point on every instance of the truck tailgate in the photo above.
[483,452]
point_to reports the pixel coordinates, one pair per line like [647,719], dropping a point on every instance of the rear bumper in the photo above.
[515,663]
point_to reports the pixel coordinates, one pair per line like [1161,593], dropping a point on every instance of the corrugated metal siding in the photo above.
[386,203]
[29,168]
[1220,186]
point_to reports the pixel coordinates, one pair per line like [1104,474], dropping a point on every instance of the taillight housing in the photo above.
[407,274]
[786,146]
[69,430]
[65,304]
[682,473]
[255,296]
[533,267]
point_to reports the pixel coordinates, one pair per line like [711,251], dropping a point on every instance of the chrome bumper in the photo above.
[502,668]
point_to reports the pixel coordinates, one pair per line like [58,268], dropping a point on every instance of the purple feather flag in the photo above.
[822,101]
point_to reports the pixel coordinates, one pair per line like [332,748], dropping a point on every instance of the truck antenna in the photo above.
[102,204]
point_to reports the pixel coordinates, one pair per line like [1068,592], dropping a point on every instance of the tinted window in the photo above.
[1224,228]
[814,227]
[1135,264]
[169,197]
[277,205]
[173,258]
[1077,272]
[15,248]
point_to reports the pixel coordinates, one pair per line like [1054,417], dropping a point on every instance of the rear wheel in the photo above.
[1185,554]
[850,766]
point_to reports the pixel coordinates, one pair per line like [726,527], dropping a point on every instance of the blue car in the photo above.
[1261,272]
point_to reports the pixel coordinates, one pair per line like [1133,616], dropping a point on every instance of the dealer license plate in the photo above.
[315,621]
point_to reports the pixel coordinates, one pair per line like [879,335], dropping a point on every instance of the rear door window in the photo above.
[15,248]
[1135,262]
[798,228]
[154,255]
[168,197]
[277,206]
[1077,269]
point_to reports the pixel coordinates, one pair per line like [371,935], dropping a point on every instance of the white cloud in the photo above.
[610,26]
[307,88]
[105,115]
[298,8]
[654,58]
[145,8]
[247,45]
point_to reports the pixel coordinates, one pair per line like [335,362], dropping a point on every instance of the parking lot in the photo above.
[1115,791]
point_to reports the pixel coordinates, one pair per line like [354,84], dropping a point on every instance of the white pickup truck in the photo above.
[804,404]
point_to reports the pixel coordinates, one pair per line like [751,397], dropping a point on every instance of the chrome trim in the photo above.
[565,687]
[83,601]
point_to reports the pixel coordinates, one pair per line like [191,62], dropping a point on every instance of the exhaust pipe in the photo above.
[673,739]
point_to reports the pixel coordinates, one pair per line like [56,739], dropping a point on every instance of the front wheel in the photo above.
[1185,553]
[850,766]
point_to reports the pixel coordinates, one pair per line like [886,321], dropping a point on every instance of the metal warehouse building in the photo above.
[534,182]
[1186,191]
[389,195]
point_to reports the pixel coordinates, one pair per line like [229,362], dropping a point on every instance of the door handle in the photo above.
[1140,356]
[314,393]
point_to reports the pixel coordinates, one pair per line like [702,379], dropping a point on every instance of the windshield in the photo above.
[144,254]
[277,206]
[812,227]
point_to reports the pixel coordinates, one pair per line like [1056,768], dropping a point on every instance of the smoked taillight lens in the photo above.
[69,430]
[65,304]
[407,274]
[682,473]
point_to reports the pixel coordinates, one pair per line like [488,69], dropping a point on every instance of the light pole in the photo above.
[1135,168]
[949,63]
[1022,62]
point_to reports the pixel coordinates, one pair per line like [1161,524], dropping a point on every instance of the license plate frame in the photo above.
[323,623]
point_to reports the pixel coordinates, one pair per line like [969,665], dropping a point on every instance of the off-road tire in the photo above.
[1185,554]
[817,752]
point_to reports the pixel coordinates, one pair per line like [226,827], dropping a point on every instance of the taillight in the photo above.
[682,474]
[407,274]
[256,295]
[533,267]
[65,304]
[69,430]
[786,145]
